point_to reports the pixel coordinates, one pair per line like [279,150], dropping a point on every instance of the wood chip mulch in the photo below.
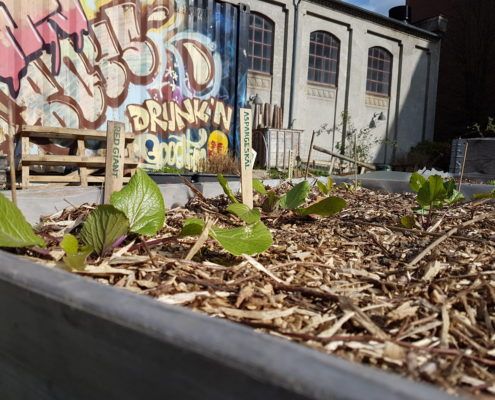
[343,285]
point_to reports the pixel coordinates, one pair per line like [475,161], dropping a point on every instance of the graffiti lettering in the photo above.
[78,63]
[171,117]
[25,31]
[181,151]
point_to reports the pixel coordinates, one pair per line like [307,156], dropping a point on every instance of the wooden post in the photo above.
[246,165]
[83,171]
[114,167]
[13,183]
[309,155]
[463,165]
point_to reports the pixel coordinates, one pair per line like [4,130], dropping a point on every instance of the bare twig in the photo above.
[445,236]
[261,268]
[149,253]
[416,231]
[193,189]
[309,155]
[201,240]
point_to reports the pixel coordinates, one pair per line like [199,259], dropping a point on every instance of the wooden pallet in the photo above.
[87,166]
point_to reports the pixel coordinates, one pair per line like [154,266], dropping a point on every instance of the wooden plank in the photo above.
[66,133]
[246,164]
[53,159]
[342,157]
[67,179]
[114,168]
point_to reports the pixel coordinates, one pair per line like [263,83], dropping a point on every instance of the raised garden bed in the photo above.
[344,285]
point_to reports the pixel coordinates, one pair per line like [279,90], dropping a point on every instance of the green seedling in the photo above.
[295,198]
[253,238]
[137,208]
[75,256]
[487,195]
[226,188]
[432,193]
[15,231]
[258,187]
[325,188]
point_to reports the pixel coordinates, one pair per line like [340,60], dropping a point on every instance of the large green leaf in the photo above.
[259,187]
[326,207]
[251,239]
[142,202]
[432,192]
[192,227]
[103,227]
[416,182]
[226,188]
[245,213]
[15,231]
[295,197]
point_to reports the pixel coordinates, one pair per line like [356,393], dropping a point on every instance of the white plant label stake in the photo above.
[114,168]
[246,165]
[291,165]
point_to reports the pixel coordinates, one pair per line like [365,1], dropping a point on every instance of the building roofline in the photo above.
[378,18]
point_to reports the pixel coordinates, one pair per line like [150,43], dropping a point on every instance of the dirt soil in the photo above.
[347,285]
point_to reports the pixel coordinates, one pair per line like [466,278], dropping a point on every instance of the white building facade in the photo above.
[323,59]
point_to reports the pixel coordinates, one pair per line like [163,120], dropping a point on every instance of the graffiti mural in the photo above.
[168,69]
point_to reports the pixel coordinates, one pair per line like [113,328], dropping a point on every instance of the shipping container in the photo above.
[173,71]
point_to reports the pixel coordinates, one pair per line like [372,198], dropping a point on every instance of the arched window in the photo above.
[260,44]
[323,58]
[379,71]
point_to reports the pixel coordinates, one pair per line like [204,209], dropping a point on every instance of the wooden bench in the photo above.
[87,166]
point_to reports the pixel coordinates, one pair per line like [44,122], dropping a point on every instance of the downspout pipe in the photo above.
[293,63]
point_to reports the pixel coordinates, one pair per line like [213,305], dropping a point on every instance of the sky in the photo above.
[380,6]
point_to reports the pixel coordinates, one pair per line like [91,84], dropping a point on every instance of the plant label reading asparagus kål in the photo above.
[246,166]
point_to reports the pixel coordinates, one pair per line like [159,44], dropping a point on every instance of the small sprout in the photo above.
[244,213]
[295,197]
[192,227]
[249,239]
[408,221]
[433,193]
[75,257]
[487,195]
[271,202]
[325,188]
[259,187]
[226,188]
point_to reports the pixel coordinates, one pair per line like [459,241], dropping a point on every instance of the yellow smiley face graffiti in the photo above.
[218,143]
